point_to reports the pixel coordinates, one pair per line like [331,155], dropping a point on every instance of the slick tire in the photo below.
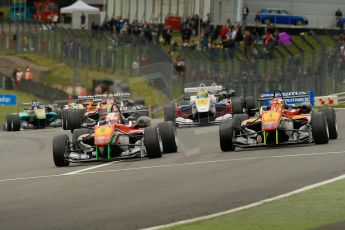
[226,133]
[64,119]
[167,131]
[237,105]
[153,142]
[12,122]
[60,150]
[250,105]
[331,122]
[73,119]
[170,112]
[319,128]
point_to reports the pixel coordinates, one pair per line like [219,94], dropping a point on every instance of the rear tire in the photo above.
[319,128]
[226,133]
[250,104]
[60,150]
[237,105]
[170,112]
[331,122]
[64,119]
[74,119]
[153,142]
[167,131]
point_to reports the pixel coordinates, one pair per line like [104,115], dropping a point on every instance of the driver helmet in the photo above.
[72,105]
[278,101]
[202,94]
[113,118]
[35,104]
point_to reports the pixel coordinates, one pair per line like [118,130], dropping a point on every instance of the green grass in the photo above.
[318,207]
[61,76]
[21,98]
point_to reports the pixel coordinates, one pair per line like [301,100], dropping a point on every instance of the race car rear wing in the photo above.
[200,88]
[290,98]
[103,96]
[94,97]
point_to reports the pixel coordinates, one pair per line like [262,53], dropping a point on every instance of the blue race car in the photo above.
[38,116]
[279,16]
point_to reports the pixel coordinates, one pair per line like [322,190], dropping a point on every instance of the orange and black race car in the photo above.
[95,108]
[279,123]
[115,138]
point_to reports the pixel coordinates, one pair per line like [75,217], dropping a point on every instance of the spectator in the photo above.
[186,33]
[55,19]
[248,45]
[26,43]
[180,66]
[338,16]
[204,35]
[245,12]
[167,35]
[14,75]
[28,73]
[215,32]
[83,21]
[19,77]
[147,32]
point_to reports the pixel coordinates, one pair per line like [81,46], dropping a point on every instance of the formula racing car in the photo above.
[208,105]
[35,116]
[279,123]
[115,138]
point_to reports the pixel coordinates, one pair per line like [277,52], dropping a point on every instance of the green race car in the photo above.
[37,116]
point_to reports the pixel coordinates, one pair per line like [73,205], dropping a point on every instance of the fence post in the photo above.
[324,62]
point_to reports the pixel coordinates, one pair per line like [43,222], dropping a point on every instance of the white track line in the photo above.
[90,168]
[210,162]
[252,205]
[82,171]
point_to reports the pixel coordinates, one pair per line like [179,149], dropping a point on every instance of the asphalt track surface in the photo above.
[198,180]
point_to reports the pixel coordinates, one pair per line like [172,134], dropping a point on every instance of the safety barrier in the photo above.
[341,97]
[331,100]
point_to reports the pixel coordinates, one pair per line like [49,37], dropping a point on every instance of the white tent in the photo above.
[77,9]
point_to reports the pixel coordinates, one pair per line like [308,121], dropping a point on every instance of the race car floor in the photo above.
[196,181]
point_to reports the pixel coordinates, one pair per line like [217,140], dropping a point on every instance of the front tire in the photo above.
[226,134]
[331,122]
[167,131]
[13,122]
[319,128]
[60,150]
[153,142]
